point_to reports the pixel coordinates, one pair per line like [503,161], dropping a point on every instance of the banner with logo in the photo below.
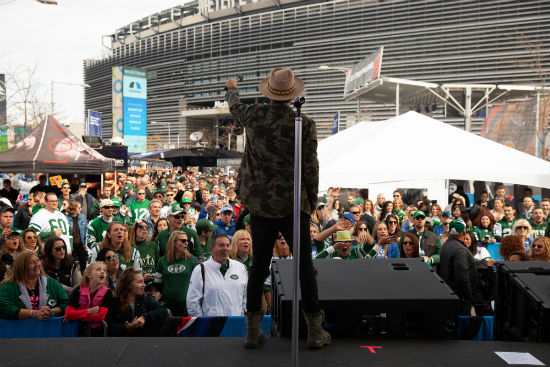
[94,124]
[134,90]
[116,89]
[364,72]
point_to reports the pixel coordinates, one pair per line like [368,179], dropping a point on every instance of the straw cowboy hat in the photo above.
[281,85]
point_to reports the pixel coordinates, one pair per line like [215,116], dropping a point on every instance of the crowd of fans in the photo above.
[178,243]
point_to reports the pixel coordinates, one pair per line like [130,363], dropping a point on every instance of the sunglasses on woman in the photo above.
[182,240]
[141,227]
[112,257]
[522,227]
[60,248]
[405,243]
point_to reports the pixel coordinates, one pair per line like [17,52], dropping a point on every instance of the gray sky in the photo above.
[58,38]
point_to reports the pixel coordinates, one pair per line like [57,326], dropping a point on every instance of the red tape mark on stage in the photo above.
[371,348]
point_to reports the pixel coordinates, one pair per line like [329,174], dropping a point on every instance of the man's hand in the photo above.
[231,83]
[6,232]
[343,224]
[58,232]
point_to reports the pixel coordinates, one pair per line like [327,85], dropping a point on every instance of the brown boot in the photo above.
[316,336]
[254,333]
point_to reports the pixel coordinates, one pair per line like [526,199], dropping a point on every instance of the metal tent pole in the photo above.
[298,102]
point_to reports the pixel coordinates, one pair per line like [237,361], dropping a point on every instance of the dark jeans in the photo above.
[264,233]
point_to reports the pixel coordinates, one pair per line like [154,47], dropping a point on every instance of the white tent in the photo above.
[420,152]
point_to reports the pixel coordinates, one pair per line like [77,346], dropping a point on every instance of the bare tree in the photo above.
[537,63]
[26,99]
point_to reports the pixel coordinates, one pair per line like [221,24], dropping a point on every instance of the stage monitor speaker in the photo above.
[522,305]
[393,298]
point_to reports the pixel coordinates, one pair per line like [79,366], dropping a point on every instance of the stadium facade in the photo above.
[190,50]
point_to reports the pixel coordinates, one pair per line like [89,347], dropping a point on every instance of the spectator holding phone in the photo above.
[483,230]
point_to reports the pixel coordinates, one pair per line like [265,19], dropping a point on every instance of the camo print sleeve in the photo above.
[266,175]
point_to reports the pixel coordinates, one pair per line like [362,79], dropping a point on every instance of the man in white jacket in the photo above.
[218,286]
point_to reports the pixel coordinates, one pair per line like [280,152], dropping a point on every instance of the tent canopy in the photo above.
[51,148]
[416,147]
[203,157]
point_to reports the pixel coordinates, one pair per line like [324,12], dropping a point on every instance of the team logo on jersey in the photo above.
[52,302]
[176,268]
[234,276]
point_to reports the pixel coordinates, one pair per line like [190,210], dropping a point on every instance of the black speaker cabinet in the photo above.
[393,298]
[522,305]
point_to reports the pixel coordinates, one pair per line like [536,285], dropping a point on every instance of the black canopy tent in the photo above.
[202,157]
[51,148]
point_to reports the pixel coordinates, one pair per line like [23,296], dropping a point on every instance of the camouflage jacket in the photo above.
[266,177]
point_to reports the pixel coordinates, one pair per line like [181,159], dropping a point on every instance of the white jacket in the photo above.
[223,295]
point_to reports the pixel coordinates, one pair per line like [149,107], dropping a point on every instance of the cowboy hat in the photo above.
[281,85]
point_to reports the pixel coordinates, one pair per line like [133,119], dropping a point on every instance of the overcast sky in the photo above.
[59,37]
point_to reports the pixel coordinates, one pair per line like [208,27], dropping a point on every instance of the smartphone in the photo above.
[191,211]
[214,199]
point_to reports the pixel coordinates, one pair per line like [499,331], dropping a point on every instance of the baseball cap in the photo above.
[358,201]
[13,234]
[205,225]
[186,200]
[227,208]
[320,204]
[349,217]
[175,209]
[116,201]
[5,202]
[105,202]
[83,184]
[343,236]
[457,226]
[6,208]
[246,219]
[419,213]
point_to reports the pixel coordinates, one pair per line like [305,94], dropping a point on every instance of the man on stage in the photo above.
[265,185]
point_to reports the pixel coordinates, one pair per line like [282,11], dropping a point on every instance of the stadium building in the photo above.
[190,50]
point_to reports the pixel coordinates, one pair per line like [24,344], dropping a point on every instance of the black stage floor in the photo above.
[225,352]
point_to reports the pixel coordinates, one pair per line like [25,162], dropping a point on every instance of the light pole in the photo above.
[158,122]
[343,70]
[84,85]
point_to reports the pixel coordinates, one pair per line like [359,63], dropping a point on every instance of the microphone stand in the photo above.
[297,103]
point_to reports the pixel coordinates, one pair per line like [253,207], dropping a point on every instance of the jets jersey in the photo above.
[138,210]
[45,223]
